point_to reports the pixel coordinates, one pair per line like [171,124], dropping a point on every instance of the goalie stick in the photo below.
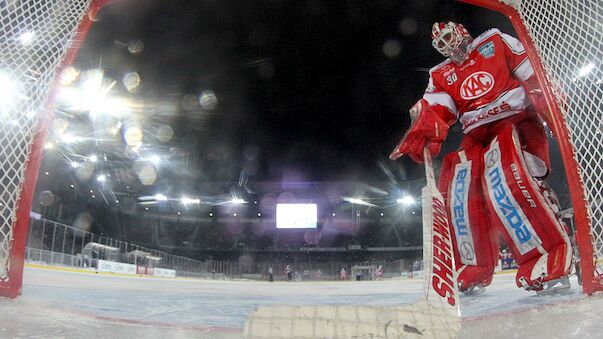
[436,315]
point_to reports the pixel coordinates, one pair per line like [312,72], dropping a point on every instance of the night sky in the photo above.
[307,90]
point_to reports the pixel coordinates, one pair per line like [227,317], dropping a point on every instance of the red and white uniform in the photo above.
[489,184]
[486,87]
[379,272]
[343,275]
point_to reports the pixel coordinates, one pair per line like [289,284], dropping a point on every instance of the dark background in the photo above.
[312,97]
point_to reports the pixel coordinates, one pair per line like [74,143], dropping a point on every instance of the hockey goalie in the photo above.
[494,183]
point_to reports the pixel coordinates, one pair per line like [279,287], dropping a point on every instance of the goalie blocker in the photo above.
[489,185]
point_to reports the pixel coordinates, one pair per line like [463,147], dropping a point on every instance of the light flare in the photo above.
[586,69]
[27,38]
[160,197]
[406,200]
[208,100]
[237,201]
[92,95]
[133,136]
[358,201]
[188,201]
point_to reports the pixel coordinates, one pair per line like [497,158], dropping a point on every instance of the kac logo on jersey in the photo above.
[476,85]
[486,50]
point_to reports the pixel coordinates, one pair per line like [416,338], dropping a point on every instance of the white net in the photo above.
[34,39]
[568,36]
[418,320]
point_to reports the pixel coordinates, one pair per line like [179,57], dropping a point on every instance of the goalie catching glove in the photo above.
[427,128]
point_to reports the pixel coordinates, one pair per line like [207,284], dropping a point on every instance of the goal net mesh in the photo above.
[35,38]
[568,36]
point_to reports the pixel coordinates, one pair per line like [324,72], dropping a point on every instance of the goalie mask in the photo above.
[451,40]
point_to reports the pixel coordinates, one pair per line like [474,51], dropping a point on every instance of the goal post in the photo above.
[39,39]
[564,42]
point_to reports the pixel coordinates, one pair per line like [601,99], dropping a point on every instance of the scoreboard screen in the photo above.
[296,215]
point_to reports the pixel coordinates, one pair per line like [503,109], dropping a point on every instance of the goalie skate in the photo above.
[554,286]
[547,287]
[474,290]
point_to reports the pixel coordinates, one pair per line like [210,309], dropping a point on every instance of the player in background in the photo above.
[494,181]
[343,275]
[289,272]
[379,273]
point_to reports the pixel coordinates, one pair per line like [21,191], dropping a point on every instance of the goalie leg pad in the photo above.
[535,145]
[536,237]
[475,249]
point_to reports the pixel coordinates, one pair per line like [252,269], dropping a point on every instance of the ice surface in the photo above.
[62,304]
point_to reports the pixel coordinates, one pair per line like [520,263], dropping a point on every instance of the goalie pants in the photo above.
[489,186]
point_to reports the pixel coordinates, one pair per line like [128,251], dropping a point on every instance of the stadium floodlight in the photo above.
[406,200]
[26,38]
[69,138]
[93,158]
[160,197]
[237,201]
[358,201]
[69,75]
[74,164]
[101,178]
[92,96]
[586,69]
[155,159]
[188,201]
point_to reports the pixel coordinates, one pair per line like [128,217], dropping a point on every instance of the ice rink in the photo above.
[63,304]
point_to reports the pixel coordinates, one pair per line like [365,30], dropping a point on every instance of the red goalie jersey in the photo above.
[483,84]
[487,87]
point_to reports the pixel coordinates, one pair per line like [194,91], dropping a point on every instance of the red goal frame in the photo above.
[591,280]
[20,227]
